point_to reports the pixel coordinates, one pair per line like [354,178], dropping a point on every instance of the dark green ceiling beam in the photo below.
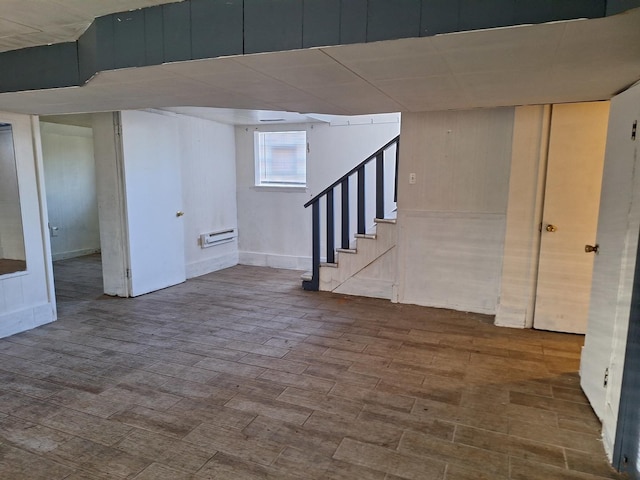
[196,29]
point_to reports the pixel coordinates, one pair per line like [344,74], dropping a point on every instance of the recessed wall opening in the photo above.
[70,185]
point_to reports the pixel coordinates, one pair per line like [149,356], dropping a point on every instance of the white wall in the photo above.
[11,236]
[208,161]
[70,178]
[274,227]
[451,222]
[26,298]
[618,226]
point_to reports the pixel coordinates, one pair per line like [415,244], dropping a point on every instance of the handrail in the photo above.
[353,170]
[359,170]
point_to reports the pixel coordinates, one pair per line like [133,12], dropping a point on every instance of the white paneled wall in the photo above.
[208,162]
[26,298]
[450,260]
[451,222]
[274,227]
[70,178]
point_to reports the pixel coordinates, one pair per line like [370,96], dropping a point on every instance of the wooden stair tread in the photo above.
[330,265]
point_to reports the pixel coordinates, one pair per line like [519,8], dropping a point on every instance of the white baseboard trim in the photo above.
[75,253]
[202,267]
[22,320]
[459,307]
[273,260]
[510,317]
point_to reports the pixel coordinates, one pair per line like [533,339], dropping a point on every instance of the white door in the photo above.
[613,270]
[150,147]
[570,218]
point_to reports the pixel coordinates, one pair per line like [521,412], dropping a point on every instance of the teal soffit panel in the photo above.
[197,29]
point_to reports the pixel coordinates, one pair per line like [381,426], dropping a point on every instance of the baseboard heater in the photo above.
[216,238]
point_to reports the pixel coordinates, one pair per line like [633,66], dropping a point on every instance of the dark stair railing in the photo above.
[328,194]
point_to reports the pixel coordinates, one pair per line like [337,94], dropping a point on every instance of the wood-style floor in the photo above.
[240,374]
[11,266]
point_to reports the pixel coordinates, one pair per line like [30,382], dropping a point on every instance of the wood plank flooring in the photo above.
[12,266]
[241,374]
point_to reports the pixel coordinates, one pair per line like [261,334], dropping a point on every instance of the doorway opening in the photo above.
[71,192]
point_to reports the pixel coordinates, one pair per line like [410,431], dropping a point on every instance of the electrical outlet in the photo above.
[412,178]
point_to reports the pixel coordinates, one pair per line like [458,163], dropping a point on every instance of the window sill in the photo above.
[280,188]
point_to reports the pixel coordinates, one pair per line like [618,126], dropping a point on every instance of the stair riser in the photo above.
[368,251]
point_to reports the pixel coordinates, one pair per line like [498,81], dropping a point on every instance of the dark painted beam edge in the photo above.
[74,63]
[38,68]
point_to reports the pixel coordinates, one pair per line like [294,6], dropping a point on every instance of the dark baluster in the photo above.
[361,224]
[345,213]
[314,283]
[395,189]
[380,185]
[331,252]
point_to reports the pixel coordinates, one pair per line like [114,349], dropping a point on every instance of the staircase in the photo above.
[365,264]
[367,270]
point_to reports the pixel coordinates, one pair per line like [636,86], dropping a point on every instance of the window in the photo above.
[281,159]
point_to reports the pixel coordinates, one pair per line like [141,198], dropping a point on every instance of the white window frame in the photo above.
[260,161]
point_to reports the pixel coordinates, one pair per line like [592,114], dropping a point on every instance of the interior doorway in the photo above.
[570,216]
[71,192]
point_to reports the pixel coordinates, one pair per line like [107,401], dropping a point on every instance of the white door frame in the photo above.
[112,208]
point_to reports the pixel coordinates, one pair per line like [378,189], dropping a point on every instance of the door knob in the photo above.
[591,248]
[551,228]
[179,213]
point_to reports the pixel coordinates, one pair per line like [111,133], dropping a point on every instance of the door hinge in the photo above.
[128,273]
[634,128]
[606,377]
